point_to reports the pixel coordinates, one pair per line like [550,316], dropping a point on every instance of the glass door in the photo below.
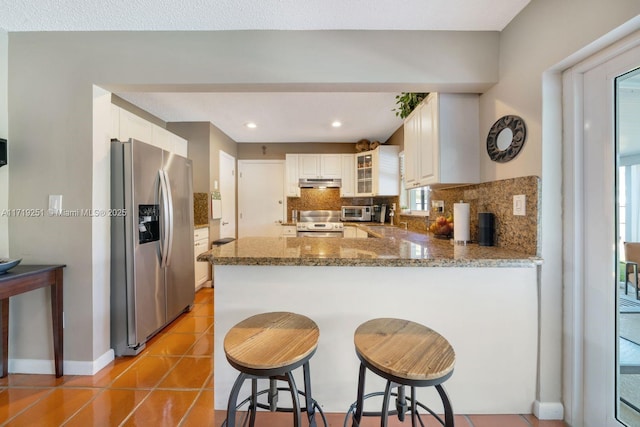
[627,131]
[364,174]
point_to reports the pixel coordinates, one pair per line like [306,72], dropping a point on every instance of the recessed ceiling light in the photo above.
[251,125]
[336,124]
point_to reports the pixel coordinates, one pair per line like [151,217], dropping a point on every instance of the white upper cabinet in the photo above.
[378,172]
[441,141]
[179,144]
[126,125]
[161,138]
[292,177]
[132,126]
[347,189]
[320,165]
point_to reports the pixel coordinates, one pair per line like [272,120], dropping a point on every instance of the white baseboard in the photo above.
[71,367]
[548,410]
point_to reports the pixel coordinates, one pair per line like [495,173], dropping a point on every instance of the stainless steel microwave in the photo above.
[356,213]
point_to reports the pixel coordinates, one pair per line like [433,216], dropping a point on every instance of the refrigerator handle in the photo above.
[169,216]
[164,229]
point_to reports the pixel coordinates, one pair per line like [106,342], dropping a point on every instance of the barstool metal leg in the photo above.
[297,420]
[253,403]
[311,415]
[414,413]
[233,398]
[401,403]
[385,405]
[273,394]
[357,416]
[448,410]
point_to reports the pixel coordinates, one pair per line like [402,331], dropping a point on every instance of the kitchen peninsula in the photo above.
[484,300]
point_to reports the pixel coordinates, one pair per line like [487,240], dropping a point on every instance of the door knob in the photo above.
[225,222]
[280,202]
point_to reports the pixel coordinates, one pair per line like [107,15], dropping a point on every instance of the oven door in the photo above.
[319,234]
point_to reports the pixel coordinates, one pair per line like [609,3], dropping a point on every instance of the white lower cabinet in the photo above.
[289,231]
[200,244]
[352,231]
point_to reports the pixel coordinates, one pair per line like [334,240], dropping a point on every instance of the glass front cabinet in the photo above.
[364,170]
[378,172]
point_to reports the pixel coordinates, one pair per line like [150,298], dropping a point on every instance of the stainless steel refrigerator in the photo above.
[152,271]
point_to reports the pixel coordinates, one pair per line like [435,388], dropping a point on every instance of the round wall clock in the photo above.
[506,138]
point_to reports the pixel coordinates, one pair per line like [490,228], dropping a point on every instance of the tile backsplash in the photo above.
[329,199]
[520,233]
[200,208]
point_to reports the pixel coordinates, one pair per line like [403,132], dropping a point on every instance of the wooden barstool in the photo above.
[404,353]
[270,346]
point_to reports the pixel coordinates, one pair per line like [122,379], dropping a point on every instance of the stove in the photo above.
[322,223]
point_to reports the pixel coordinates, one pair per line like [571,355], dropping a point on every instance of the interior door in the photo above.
[228,195]
[261,197]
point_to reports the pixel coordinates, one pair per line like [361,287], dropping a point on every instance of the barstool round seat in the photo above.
[404,350]
[271,341]
[405,354]
[271,346]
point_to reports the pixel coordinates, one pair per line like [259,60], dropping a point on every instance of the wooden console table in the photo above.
[25,278]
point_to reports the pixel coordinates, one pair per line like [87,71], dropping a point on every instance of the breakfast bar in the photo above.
[484,300]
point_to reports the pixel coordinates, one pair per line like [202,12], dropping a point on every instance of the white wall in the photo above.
[4,132]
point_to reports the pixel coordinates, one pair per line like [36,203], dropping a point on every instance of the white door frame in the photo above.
[228,221]
[588,256]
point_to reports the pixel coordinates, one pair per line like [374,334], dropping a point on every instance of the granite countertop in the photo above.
[199,226]
[387,246]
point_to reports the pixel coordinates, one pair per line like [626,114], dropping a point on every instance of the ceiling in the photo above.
[279,116]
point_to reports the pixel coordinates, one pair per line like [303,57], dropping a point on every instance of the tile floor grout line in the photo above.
[156,387]
[82,407]
[27,407]
[466,417]
[101,389]
[188,411]
[526,420]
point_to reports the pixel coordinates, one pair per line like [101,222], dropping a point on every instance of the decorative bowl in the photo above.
[8,264]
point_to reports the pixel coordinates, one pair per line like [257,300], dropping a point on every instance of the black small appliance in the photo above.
[485,229]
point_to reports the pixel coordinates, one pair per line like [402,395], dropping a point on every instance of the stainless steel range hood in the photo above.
[319,183]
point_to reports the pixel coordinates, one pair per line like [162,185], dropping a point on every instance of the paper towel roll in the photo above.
[461,229]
